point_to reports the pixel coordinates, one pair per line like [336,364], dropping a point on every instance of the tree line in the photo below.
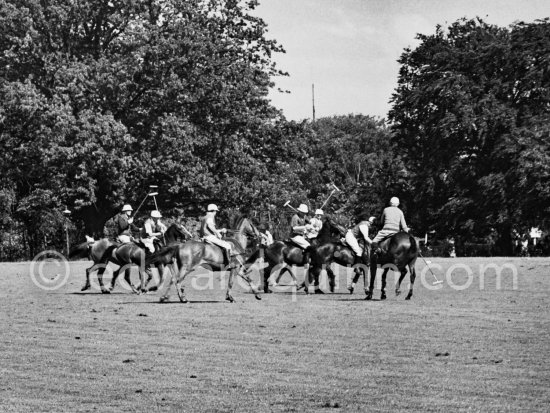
[100,99]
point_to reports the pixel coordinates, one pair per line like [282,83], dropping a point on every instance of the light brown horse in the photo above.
[194,254]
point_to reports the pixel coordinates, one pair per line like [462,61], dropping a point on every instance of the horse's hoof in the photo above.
[184,300]
[86,287]
[397,292]
[230,299]
[105,291]
[257,296]
[350,289]
[319,291]
[163,299]
[303,285]
[383,297]
[154,288]
[268,291]
[368,297]
[408,297]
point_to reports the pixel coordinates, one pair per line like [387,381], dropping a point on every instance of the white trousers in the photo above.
[301,241]
[353,243]
[219,242]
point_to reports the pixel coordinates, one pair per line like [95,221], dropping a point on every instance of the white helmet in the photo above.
[372,219]
[303,208]
[155,214]
[127,207]
[212,207]
[319,212]
[394,201]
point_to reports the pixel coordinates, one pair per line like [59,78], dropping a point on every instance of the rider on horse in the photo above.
[358,232]
[152,230]
[300,227]
[393,221]
[317,223]
[209,233]
[124,224]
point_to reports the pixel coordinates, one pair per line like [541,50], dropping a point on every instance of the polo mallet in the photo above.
[336,189]
[427,265]
[153,194]
[287,204]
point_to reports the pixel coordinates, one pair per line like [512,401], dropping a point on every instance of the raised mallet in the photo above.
[287,204]
[151,193]
[336,189]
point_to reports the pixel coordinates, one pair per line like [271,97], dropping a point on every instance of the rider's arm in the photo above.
[294,223]
[365,232]
[148,229]
[212,228]
[402,223]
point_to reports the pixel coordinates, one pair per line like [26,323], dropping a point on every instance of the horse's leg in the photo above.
[373,269]
[383,290]
[100,272]
[265,274]
[413,276]
[113,281]
[401,276]
[228,295]
[312,277]
[331,279]
[245,277]
[160,268]
[88,271]
[127,273]
[184,272]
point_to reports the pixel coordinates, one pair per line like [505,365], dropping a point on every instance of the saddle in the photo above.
[294,244]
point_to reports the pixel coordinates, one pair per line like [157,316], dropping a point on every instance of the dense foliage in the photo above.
[471,118]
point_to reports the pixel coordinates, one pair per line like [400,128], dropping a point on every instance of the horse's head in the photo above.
[247,228]
[331,229]
[176,231]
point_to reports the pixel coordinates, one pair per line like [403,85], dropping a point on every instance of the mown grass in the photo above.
[445,350]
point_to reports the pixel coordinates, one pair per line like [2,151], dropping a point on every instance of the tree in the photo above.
[470,108]
[354,152]
[101,98]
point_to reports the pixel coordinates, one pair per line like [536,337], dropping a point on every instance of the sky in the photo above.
[349,48]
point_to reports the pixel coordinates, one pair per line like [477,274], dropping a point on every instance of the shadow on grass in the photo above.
[190,302]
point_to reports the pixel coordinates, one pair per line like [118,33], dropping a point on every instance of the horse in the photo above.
[400,252]
[103,251]
[193,254]
[328,249]
[286,255]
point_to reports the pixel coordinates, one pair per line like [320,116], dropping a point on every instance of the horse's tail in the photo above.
[162,254]
[79,251]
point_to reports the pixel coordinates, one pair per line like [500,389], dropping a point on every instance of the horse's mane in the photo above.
[236,245]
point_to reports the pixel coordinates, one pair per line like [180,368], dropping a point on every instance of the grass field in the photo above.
[476,349]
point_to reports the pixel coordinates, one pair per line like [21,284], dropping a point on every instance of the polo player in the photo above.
[152,229]
[209,233]
[300,227]
[124,224]
[392,220]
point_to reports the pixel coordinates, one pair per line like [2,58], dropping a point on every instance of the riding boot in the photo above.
[227,258]
[376,248]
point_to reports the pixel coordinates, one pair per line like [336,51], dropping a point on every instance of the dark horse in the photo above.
[329,249]
[399,252]
[285,255]
[103,251]
[192,254]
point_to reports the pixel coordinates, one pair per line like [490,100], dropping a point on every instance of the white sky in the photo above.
[349,48]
